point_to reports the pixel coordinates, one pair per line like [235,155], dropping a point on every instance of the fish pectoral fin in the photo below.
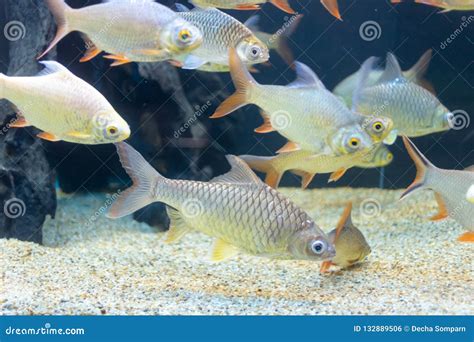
[175,63]
[119,59]
[223,250]
[178,226]
[466,237]
[266,127]
[335,176]
[48,136]
[325,266]
[247,7]
[306,177]
[78,135]
[91,53]
[290,146]
[443,211]
[19,122]
[193,62]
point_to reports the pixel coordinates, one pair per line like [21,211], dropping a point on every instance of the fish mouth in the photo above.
[391,137]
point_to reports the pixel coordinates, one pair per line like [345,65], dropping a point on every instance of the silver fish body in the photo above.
[237,209]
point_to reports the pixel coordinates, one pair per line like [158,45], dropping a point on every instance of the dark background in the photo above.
[333,49]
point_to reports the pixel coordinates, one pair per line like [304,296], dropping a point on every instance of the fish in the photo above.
[345,89]
[414,110]
[277,41]
[243,4]
[304,112]
[351,245]
[470,194]
[63,106]
[447,5]
[237,209]
[128,30]
[450,187]
[301,164]
[220,32]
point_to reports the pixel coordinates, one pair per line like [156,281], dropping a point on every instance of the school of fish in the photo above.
[327,132]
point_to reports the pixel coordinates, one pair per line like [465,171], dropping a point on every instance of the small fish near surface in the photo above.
[129,30]
[237,209]
[351,245]
[304,112]
[450,187]
[302,164]
[63,106]
[243,4]
[447,5]
[220,33]
[279,40]
[414,110]
[346,87]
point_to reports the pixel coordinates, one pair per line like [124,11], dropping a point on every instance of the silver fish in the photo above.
[237,209]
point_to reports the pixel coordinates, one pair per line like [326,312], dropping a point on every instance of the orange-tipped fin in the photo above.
[443,211]
[48,136]
[335,176]
[325,266]
[19,123]
[243,82]
[247,7]
[421,163]
[466,237]
[283,5]
[344,221]
[91,53]
[266,127]
[290,146]
[332,7]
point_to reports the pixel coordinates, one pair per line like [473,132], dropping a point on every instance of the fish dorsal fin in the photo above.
[418,71]
[344,221]
[240,173]
[53,67]
[392,71]
[181,7]
[306,78]
[367,67]
[178,226]
[252,23]
[223,250]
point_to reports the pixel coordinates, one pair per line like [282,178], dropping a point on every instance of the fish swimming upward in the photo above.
[448,5]
[63,106]
[237,209]
[243,4]
[414,110]
[302,164]
[351,245]
[450,187]
[129,30]
[220,33]
[279,40]
[346,87]
[304,112]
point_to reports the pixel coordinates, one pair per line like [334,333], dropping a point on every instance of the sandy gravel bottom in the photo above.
[123,267]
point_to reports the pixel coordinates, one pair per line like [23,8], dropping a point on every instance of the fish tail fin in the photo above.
[59,9]
[283,5]
[243,81]
[283,48]
[332,7]
[423,166]
[264,165]
[145,180]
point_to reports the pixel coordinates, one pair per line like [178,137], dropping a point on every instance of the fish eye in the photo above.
[318,247]
[378,127]
[112,130]
[255,51]
[390,156]
[185,35]
[354,142]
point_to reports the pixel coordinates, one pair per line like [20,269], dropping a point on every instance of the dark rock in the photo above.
[27,192]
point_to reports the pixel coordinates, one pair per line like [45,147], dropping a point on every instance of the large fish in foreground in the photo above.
[414,110]
[351,245]
[304,112]
[450,187]
[220,33]
[237,209]
[448,5]
[347,87]
[304,165]
[129,30]
[63,106]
